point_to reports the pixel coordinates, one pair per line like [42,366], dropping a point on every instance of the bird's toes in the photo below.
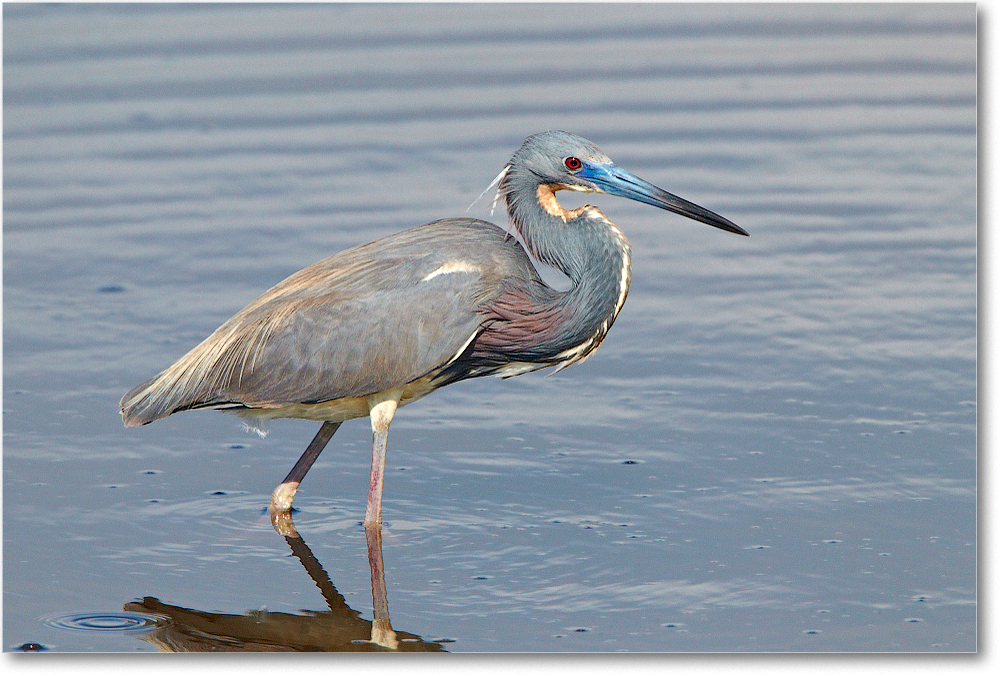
[281,498]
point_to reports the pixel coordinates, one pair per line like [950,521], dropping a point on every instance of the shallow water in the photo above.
[774,449]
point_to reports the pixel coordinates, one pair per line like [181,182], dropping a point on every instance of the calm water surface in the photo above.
[774,450]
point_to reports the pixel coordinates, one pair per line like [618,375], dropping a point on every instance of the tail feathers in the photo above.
[139,407]
[156,399]
[188,384]
[199,379]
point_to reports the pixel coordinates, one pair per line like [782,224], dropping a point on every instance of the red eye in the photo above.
[572,163]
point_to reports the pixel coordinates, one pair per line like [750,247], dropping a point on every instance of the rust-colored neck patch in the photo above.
[547,199]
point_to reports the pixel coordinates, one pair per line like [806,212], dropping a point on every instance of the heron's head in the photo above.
[565,161]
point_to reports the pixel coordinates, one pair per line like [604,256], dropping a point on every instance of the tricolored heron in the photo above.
[386,323]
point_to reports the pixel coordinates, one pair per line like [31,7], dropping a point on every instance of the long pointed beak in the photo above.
[614,180]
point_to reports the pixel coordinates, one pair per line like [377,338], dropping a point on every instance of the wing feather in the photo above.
[352,325]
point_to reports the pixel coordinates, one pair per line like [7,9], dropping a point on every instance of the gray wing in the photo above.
[374,317]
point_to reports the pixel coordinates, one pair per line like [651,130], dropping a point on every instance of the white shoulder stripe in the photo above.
[452,267]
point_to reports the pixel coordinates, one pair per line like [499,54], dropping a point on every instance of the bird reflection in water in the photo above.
[339,629]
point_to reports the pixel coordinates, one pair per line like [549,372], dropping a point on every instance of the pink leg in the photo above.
[382,633]
[373,513]
[382,407]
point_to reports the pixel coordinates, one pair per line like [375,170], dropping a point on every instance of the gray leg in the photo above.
[281,498]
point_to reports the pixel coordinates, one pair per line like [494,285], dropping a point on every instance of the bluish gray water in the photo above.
[774,449]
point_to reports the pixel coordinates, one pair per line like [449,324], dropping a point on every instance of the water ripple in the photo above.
[103,621]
